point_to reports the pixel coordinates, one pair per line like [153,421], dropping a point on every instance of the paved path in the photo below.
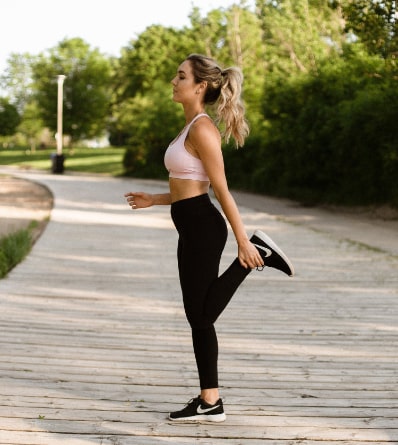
[94,347]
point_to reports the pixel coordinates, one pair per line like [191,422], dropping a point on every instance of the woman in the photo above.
[195,161]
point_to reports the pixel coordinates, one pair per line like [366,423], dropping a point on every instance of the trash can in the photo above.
[57,163]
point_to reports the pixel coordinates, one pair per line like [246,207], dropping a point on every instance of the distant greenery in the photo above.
[332,137]
[13,249]
[90,160]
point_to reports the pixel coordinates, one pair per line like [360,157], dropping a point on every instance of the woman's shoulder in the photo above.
[204,126]
[204,137]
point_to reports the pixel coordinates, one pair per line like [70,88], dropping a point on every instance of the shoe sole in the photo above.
[261,235]
[201,418]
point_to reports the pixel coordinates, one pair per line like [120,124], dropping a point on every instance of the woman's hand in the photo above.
[139,200]
[249,256]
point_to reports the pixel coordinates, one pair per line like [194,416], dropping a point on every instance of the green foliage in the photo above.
[9,118]
[333,136]
[298,34]
[86,88]
[3,265]
[152,56]
[17,79]
[13,249]
[31,125]
[375,23]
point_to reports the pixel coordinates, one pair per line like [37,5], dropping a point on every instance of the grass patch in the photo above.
[88,160]
[13,249]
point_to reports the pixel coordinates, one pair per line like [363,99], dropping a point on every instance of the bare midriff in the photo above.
[187,188]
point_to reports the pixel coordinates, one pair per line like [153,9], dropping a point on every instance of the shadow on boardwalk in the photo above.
[95,348]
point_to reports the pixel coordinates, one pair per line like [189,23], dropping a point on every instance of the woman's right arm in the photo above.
[140,200]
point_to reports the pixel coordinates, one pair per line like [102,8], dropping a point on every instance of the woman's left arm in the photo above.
[205,139]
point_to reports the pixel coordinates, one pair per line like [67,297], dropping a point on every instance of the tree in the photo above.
[152,56]
[298,34]
[143,71]
[209,34]
[17,79]
[155,54]
[233,36]
[246,50]
[86,88]
[375,23]
[31,125]
[9,118]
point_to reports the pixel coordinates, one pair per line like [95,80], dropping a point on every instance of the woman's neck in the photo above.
[191,114]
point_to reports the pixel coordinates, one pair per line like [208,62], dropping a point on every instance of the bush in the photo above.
[332,137]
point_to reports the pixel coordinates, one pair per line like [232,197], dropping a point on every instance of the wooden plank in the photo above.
[158,426]
[43,438]
[143,415]
[136,369]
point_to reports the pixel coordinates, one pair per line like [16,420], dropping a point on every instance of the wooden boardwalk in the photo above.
[95,349]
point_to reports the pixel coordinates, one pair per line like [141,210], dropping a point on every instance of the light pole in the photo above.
[58,158]
[61,79]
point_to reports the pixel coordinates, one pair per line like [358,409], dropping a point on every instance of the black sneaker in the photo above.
[271,253]
[197,410]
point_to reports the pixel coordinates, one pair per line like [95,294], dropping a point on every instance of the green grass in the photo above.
[13,249]
[89,160]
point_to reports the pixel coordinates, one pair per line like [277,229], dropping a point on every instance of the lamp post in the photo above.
[58,158]
[61,79]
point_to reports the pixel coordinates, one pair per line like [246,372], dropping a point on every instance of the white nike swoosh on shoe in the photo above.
[268,252]
[200,410]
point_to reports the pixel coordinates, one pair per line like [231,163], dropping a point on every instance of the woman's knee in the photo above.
[197,320]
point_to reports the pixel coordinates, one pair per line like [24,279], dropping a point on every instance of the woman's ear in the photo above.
[201,87]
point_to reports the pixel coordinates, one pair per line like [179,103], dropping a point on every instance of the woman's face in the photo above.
[184,86]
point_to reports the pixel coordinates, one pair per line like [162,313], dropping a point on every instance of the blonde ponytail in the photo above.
[224,89]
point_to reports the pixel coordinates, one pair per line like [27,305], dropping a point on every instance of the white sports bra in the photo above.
[179,162]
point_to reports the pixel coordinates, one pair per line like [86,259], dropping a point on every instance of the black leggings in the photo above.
[202,236]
